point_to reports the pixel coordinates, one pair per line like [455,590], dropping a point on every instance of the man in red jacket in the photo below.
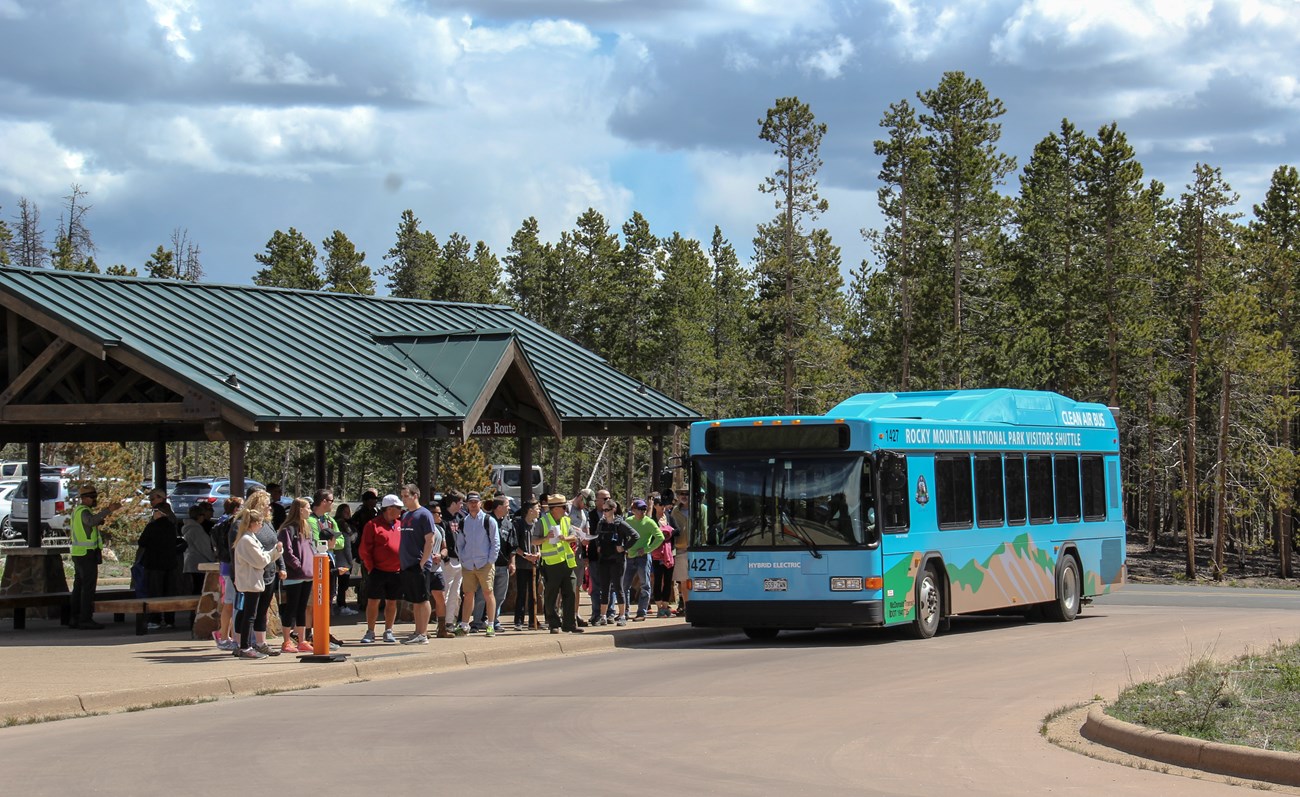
[381,542]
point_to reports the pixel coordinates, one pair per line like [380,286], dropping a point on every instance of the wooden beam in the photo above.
[12,342]
[81,340]
[95,413]
[19,384]
[56,375]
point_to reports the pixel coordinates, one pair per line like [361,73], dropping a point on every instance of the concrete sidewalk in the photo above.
[53,671]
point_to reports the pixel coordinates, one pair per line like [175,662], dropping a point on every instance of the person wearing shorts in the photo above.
[680,518]
[478,545]
[380,551]
[416,548]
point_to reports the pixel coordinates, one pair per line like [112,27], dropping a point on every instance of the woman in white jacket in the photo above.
[251,560]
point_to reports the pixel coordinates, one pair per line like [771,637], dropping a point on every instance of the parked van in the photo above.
[18,470]
[506,480]
[56,506]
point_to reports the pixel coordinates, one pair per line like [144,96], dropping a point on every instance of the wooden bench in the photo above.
[21,603]
[143,607]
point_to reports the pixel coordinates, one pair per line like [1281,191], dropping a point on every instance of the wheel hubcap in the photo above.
[929,607]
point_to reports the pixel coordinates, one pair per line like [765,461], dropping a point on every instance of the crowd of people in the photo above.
[452,559]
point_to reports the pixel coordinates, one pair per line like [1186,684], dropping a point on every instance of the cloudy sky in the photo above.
[234,119]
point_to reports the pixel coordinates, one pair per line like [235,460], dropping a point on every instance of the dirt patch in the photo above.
[1167,564]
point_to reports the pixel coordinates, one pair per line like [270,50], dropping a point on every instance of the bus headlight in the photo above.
[706,585]
[846,583]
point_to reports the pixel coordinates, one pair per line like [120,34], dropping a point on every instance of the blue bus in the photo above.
[905,508]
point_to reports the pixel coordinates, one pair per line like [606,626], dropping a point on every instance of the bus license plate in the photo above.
[774,585]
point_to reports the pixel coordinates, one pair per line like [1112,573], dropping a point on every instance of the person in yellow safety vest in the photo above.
[552,534]
[86,549]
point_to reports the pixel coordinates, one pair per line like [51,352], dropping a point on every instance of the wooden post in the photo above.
[237,468]
[34,495]
[423,473]
[525,468]
[656,461]
[160,465]
[320,465]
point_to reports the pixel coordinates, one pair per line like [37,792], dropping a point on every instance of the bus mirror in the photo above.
[871,517]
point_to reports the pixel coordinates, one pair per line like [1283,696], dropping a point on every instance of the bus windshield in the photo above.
[783,502]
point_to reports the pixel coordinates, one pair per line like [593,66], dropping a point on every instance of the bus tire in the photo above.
[1068,593]
[761,633]
[929,605]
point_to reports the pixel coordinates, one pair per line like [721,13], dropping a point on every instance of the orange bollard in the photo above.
[320,601]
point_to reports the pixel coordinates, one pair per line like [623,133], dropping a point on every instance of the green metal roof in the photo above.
[316,356]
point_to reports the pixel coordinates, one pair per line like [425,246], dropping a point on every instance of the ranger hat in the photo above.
[557,499]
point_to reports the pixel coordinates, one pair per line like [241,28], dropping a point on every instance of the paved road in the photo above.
[815,712]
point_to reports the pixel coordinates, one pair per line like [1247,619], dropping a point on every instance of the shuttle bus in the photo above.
[905,509]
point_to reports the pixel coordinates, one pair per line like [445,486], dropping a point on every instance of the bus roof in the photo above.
[995,405]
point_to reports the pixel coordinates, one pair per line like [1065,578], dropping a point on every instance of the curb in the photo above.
[1273,766]
[360,667]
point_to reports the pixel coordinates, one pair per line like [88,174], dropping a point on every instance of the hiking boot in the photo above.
[388,635]
[368,638]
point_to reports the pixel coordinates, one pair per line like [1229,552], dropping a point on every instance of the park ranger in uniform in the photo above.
[87,552]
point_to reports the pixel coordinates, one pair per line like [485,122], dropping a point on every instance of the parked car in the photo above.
[56,505]
[506,480]
[6,524]
[210,489]
[18,470]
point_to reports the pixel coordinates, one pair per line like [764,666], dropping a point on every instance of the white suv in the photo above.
[56,507]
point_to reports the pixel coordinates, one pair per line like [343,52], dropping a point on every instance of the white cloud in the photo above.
[251,63]
[1102,31]
[830,60]
[561,34]
[36,165]
[176,17]
[9,9]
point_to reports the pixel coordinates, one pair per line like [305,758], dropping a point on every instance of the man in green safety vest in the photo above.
[552,534]
[87,553]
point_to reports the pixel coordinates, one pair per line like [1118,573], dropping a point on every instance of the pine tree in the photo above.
[485,271]
[6,243]
[1205,240]
[585,287]
[345,268]
[729,319]
[526,270]
[74,249]
[161,264]
[121,270]
[290,262]
[412,267]
[961,122]
[673,323]
[1275,239]
[795,135]
[465,468]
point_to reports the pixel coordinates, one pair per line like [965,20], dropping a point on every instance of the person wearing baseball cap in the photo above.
[649,537]
[381,543]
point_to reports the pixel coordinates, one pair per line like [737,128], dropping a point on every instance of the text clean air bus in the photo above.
[908,508]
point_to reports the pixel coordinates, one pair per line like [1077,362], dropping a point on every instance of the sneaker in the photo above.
[416,639]
[291,648]
[600,621]
[368,638]
[154,626]
[250,653]
[497,627]
[227,645]
[216,637]
[267,649]
[519,626]
[388,635]
[347,611]
[305,648]
[462,629]
[489,631]
[639,618]
[621,620]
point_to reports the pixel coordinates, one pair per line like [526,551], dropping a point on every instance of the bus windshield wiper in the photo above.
[745,536]
[791,529]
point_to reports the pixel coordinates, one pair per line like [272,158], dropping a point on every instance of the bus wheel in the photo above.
[1066,606]
[929,605]
[762,633]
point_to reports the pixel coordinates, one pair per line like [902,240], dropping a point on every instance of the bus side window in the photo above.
[953,498]
[1067,488]
[1015,468]
[988,490]
[893,493]
[1039,469]
[1094,488]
